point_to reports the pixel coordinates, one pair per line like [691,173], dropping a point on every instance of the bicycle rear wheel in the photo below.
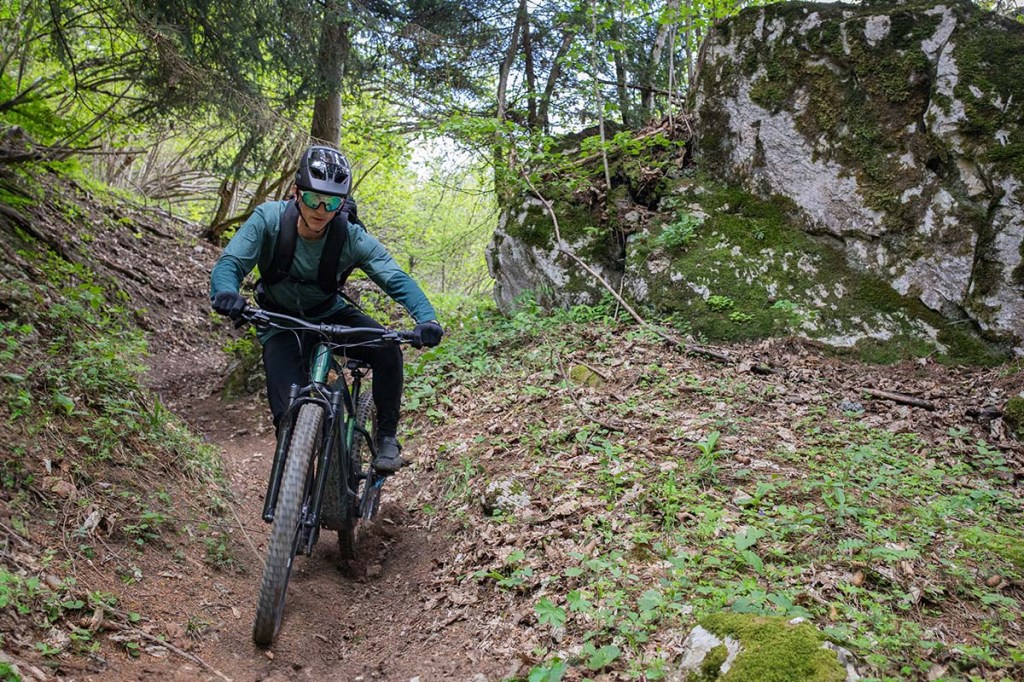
[359,458]
[284,535]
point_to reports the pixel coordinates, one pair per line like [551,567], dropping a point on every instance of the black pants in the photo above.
[287,356]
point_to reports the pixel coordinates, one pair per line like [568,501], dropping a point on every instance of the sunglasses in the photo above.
[314,199]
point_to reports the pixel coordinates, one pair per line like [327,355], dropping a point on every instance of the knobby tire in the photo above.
[348,532]
[284,534]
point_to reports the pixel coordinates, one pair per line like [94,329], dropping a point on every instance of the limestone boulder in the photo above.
[897,131]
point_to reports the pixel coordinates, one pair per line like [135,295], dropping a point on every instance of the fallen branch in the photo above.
[564,249]
[14,535]
[170,647]
[899,398]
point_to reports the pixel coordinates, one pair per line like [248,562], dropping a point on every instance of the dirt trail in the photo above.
[367,623]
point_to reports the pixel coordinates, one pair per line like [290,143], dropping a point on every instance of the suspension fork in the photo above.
[323,461]
[318,372]
[284,438]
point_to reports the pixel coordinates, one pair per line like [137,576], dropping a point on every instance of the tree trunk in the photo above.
[226,194]
[619,57]
[599,101]
[334,50]
[654,60]
[556,71]
[509,60]
[531,79]
[500,186]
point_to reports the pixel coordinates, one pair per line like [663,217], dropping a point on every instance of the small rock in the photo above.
[374,571]
[994,580]
[741,498]
[504,497]
[846,405]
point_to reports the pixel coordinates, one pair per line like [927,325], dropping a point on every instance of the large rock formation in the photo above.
[869,166]
[896,129]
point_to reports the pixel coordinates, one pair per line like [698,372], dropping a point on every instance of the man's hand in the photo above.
[427,334]
[230,303]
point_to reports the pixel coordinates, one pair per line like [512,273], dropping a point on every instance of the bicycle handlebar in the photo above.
[266,318]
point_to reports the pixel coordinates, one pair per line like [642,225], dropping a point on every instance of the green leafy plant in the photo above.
[680,232]
[720,303]
[549,614]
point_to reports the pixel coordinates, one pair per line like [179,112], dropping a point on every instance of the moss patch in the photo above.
[712,665]
[746,272]
[775,651]
[1013,415]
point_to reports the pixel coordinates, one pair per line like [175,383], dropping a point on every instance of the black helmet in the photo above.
[324,170]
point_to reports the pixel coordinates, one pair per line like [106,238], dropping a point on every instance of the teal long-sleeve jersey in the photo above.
[254,243]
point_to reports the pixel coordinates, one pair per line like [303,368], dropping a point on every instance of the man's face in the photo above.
[314,208]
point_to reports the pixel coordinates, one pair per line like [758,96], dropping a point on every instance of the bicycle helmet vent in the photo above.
[324,170]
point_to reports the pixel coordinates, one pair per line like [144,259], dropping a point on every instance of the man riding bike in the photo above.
[307,287]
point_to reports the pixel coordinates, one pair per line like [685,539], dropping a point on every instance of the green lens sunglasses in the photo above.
[314,199]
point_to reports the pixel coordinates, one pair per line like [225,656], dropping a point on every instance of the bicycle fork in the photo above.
[318,474]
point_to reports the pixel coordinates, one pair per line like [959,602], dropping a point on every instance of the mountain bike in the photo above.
[321,475]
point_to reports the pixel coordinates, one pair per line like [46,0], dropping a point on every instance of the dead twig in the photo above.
[899,398]
[12,533]
[245,533]
[170,647]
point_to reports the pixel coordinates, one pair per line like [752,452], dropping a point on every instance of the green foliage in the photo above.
[720,303]
[680,232]
[31,598]
[84,357]
[675,529]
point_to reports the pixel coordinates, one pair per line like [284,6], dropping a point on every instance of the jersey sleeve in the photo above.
[373,259]
[243,252]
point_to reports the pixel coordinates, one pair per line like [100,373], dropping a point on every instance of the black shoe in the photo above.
[389,455]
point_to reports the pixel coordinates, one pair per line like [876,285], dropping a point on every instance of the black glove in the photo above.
[427,334]
[230,303]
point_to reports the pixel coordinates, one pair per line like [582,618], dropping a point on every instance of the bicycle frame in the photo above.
[338,431]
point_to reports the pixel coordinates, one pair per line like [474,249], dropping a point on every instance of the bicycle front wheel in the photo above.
[359,461]
[284,534]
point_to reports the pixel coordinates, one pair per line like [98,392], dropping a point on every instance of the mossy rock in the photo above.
[745,272]
[244,376]
[1013,415]
[769,650]
[585,376]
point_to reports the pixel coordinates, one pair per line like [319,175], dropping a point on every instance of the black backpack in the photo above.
[337,234]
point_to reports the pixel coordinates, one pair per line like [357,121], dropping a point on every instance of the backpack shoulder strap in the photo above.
[284,251]
[336,237]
